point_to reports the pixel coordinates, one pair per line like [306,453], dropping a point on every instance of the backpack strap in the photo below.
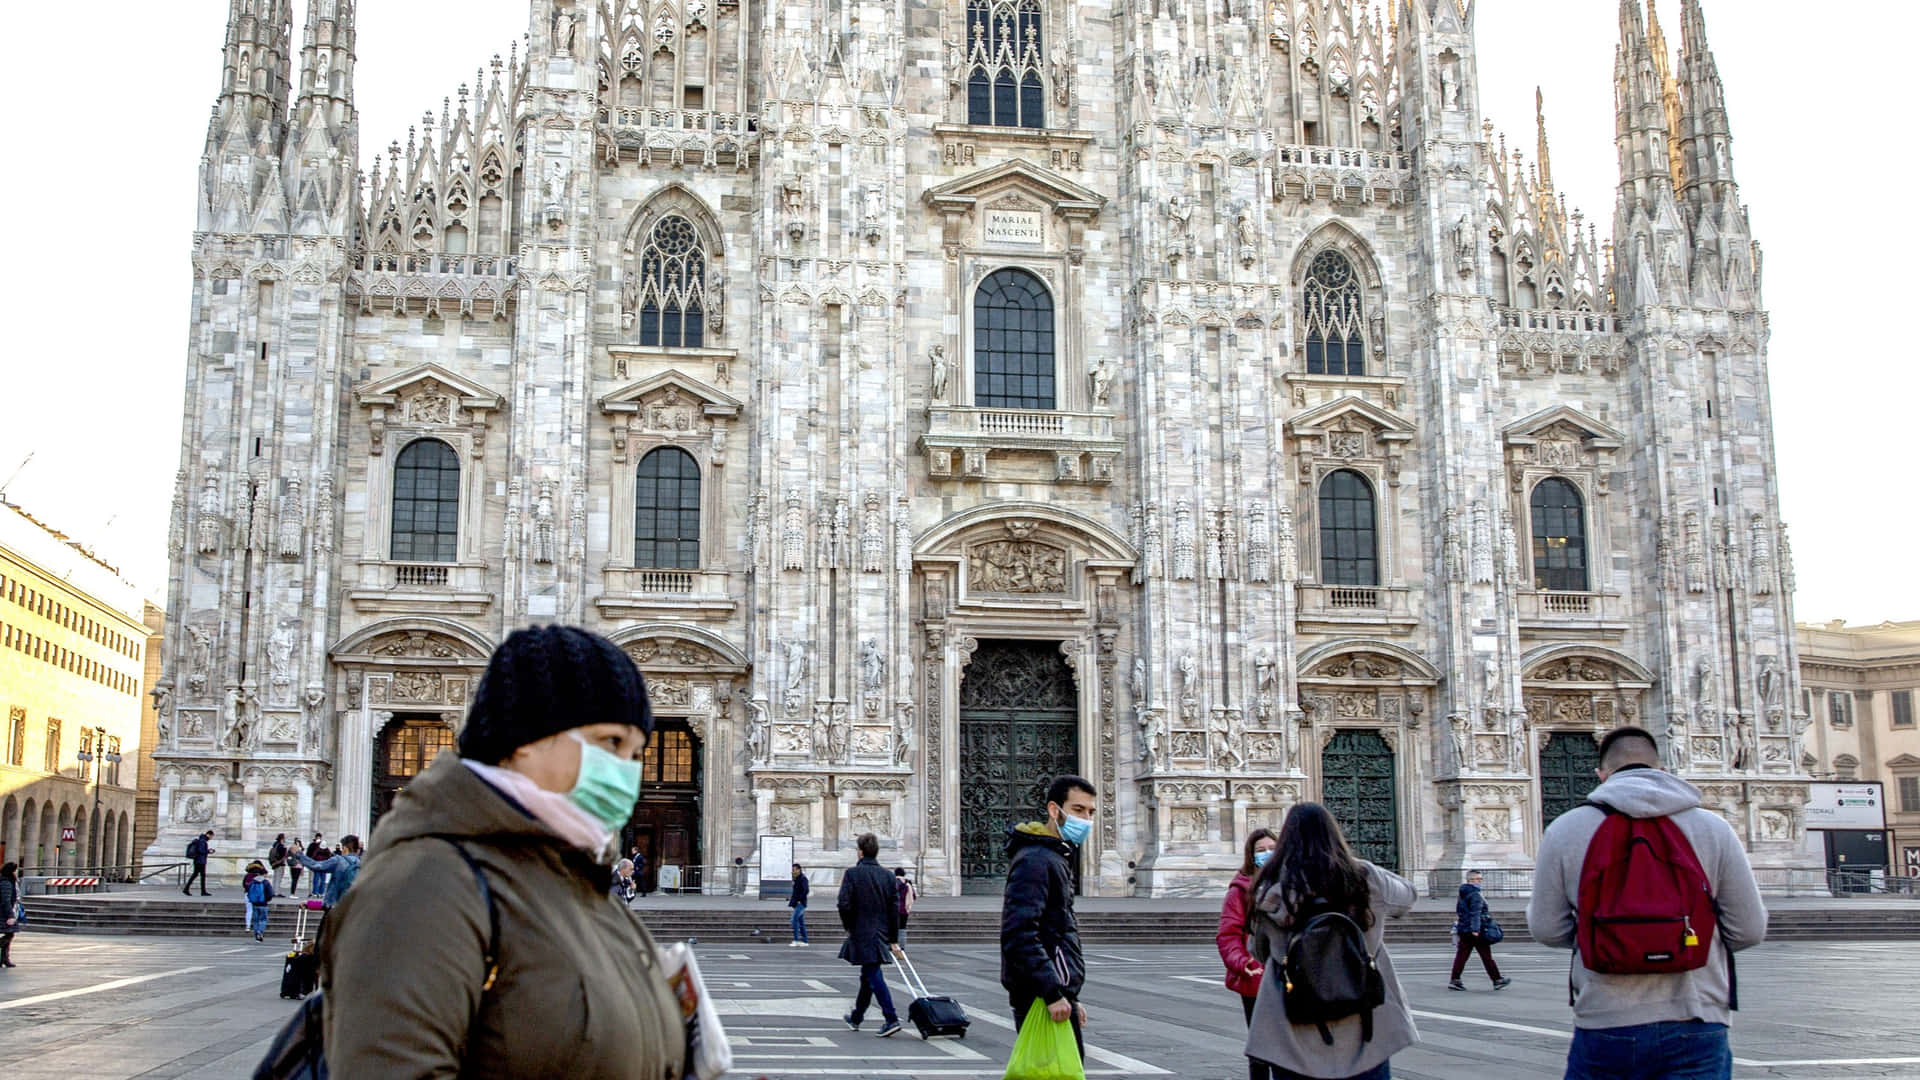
[493,914]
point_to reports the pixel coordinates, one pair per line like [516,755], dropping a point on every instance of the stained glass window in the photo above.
[1005,64]
[673,285]
[1332,317]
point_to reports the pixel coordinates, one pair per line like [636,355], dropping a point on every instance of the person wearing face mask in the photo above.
[1039,939]
[546,772]
[1243,971]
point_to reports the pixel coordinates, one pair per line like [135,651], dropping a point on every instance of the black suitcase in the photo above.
[300,974]
[933,1017]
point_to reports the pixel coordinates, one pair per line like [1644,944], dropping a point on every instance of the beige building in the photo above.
[1859,685]
[146,804]
[72,655]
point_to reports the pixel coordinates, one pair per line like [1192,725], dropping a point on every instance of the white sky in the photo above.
[95,350]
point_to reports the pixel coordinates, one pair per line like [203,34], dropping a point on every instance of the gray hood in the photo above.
[1646,793]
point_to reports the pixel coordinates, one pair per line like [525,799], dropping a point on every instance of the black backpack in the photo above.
[1329,975]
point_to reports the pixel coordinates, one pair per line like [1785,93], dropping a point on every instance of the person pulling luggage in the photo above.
[1476,931]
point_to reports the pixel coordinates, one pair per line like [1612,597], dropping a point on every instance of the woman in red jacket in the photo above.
[1243,971]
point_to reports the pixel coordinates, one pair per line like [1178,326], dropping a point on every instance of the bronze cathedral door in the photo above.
[1019,728]
[1357,786]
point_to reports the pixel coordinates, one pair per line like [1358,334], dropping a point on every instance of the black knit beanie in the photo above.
[547,679]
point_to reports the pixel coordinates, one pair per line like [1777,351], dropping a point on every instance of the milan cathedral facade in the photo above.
[934,396]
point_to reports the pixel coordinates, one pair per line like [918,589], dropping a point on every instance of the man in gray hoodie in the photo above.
[1648,1027]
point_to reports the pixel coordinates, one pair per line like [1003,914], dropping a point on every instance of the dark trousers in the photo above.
[1023,1004]
[1667,1050]
[1470,943]
[1256,1069]
[873,986]
[199,871]
[293,872]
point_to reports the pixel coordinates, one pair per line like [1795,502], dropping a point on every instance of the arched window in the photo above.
[666,516]
[1013,343]
[426,503]
[1559,537]
[1005,58]
[672,280]
[1348,546]
[1333,317]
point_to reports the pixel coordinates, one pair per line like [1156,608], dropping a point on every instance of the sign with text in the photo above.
[776,866]
[1021,227]
[1860,804]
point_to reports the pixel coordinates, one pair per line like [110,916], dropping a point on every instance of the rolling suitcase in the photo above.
[300,974]
[933,1017]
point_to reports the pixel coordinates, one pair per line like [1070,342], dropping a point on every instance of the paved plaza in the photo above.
[151,1007]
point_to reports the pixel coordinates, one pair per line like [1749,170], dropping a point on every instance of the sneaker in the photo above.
[852,1024]
[891,1027]
[1456,984]
[793,944]
[1502,983]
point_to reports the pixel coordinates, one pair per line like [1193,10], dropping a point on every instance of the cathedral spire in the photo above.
[1642,129]
[323,148]
[326,65]
[256,72]
[1540,120]
[1706,161]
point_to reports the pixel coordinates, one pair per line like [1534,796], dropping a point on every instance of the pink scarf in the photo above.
[551,809]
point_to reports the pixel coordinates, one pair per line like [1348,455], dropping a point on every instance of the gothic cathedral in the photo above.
[936,396]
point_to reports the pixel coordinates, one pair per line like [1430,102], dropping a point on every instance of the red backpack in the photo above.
[1646,906]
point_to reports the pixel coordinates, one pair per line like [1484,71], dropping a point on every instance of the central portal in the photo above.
[1019,728]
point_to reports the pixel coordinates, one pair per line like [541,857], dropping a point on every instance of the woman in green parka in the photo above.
[546,772]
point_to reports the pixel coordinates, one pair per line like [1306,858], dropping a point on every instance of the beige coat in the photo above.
[579,993]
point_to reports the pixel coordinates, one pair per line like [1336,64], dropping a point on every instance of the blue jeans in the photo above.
[1378,1073]
[1669,1050]
[318,886]
[259,918]
[800,923]
[873,985]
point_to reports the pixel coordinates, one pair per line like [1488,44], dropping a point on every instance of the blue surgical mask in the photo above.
[607,787]
[1074,830]
[1262,858]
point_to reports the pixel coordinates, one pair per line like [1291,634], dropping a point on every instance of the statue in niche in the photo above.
[937,358]
[873,666]
[543,524]
[1102,377]
[757,732]
[1059,73]
[1464,246]
[565,29]
[281,646]
[796,664]
[1137,685]
[1449,80]
[1461,729]
[1676,755]
[1189,680]
[956,68]
[1265,672]
[1179,222]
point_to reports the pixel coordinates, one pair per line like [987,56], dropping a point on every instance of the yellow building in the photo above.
[72,657]
[146,804]
[1861,683]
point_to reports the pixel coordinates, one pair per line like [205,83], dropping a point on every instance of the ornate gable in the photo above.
[1009,204]
[1560,440]
[427,397]
[670,406]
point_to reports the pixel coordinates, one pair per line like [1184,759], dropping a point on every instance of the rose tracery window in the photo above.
[1004,63]
[671,286]
[1333,317]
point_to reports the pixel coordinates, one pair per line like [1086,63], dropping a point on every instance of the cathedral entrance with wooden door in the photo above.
[1019,728]
[1357,785]
[666,822]
[1567,762]
[408,744]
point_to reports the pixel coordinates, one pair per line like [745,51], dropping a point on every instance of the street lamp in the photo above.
[105,759]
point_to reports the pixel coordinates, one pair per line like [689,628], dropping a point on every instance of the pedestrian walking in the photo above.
[798,902]
[258,889]
[277,860]
[502,852]
[1330,1004]
[293,870]
[9,911]
[1233,938]
[317,852]
[1040,956]
[1652,995]
[623,890]
[197,850]
[907,894]
[640,871]
[338,870]
[1474,931]
[870,911]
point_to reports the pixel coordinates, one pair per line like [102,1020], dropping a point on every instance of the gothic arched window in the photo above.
[672,286]
[1348,545]
[1559,536]
[666,516]
[426,503]
[1333,317]
[1005,58]
[1013,342]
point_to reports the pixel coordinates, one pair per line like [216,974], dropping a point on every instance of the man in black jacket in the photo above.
[197,850]
[869,911]
[1039,939]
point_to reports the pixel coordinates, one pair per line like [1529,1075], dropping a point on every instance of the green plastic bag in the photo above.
[1045,1049]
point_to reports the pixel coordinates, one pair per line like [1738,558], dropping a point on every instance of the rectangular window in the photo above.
[86,748]
[113,760]
[1910,794]
[53,746]
[1902,708]
[16,737]
[1839,709]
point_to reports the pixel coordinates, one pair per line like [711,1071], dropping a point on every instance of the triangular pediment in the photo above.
[1050,188]
[389,390]
[1327,417]
[632,396]
[1594,433]
[1904,761]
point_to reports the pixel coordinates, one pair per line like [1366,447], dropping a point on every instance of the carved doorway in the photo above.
[1019,728]
[666,821]
[1357,786]
[407,746]
[1567,761]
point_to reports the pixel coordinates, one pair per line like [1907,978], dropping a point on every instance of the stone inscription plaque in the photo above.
[1021,227]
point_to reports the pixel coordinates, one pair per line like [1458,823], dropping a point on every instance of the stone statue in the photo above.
[1450,83]
[281,646]
[1676,751]
[1265,672]
[873,204]
[564,31]
[903,735]
[873,666]
[937,359]
[1060,74]
[1189,677]
[1461,729]
[207,539]
[543,524]
[1102,376]
[200,641]
[1179,221]
[956,68]
[796,664]
[1464,246]
[837,730]
[1137,685]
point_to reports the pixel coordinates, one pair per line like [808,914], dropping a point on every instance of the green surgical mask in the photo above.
[607,787]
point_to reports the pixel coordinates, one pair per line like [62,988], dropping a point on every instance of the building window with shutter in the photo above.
[1910,794]
[1839,709]
[1902,708]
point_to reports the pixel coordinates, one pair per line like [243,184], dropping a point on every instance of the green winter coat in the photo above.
[579,995]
